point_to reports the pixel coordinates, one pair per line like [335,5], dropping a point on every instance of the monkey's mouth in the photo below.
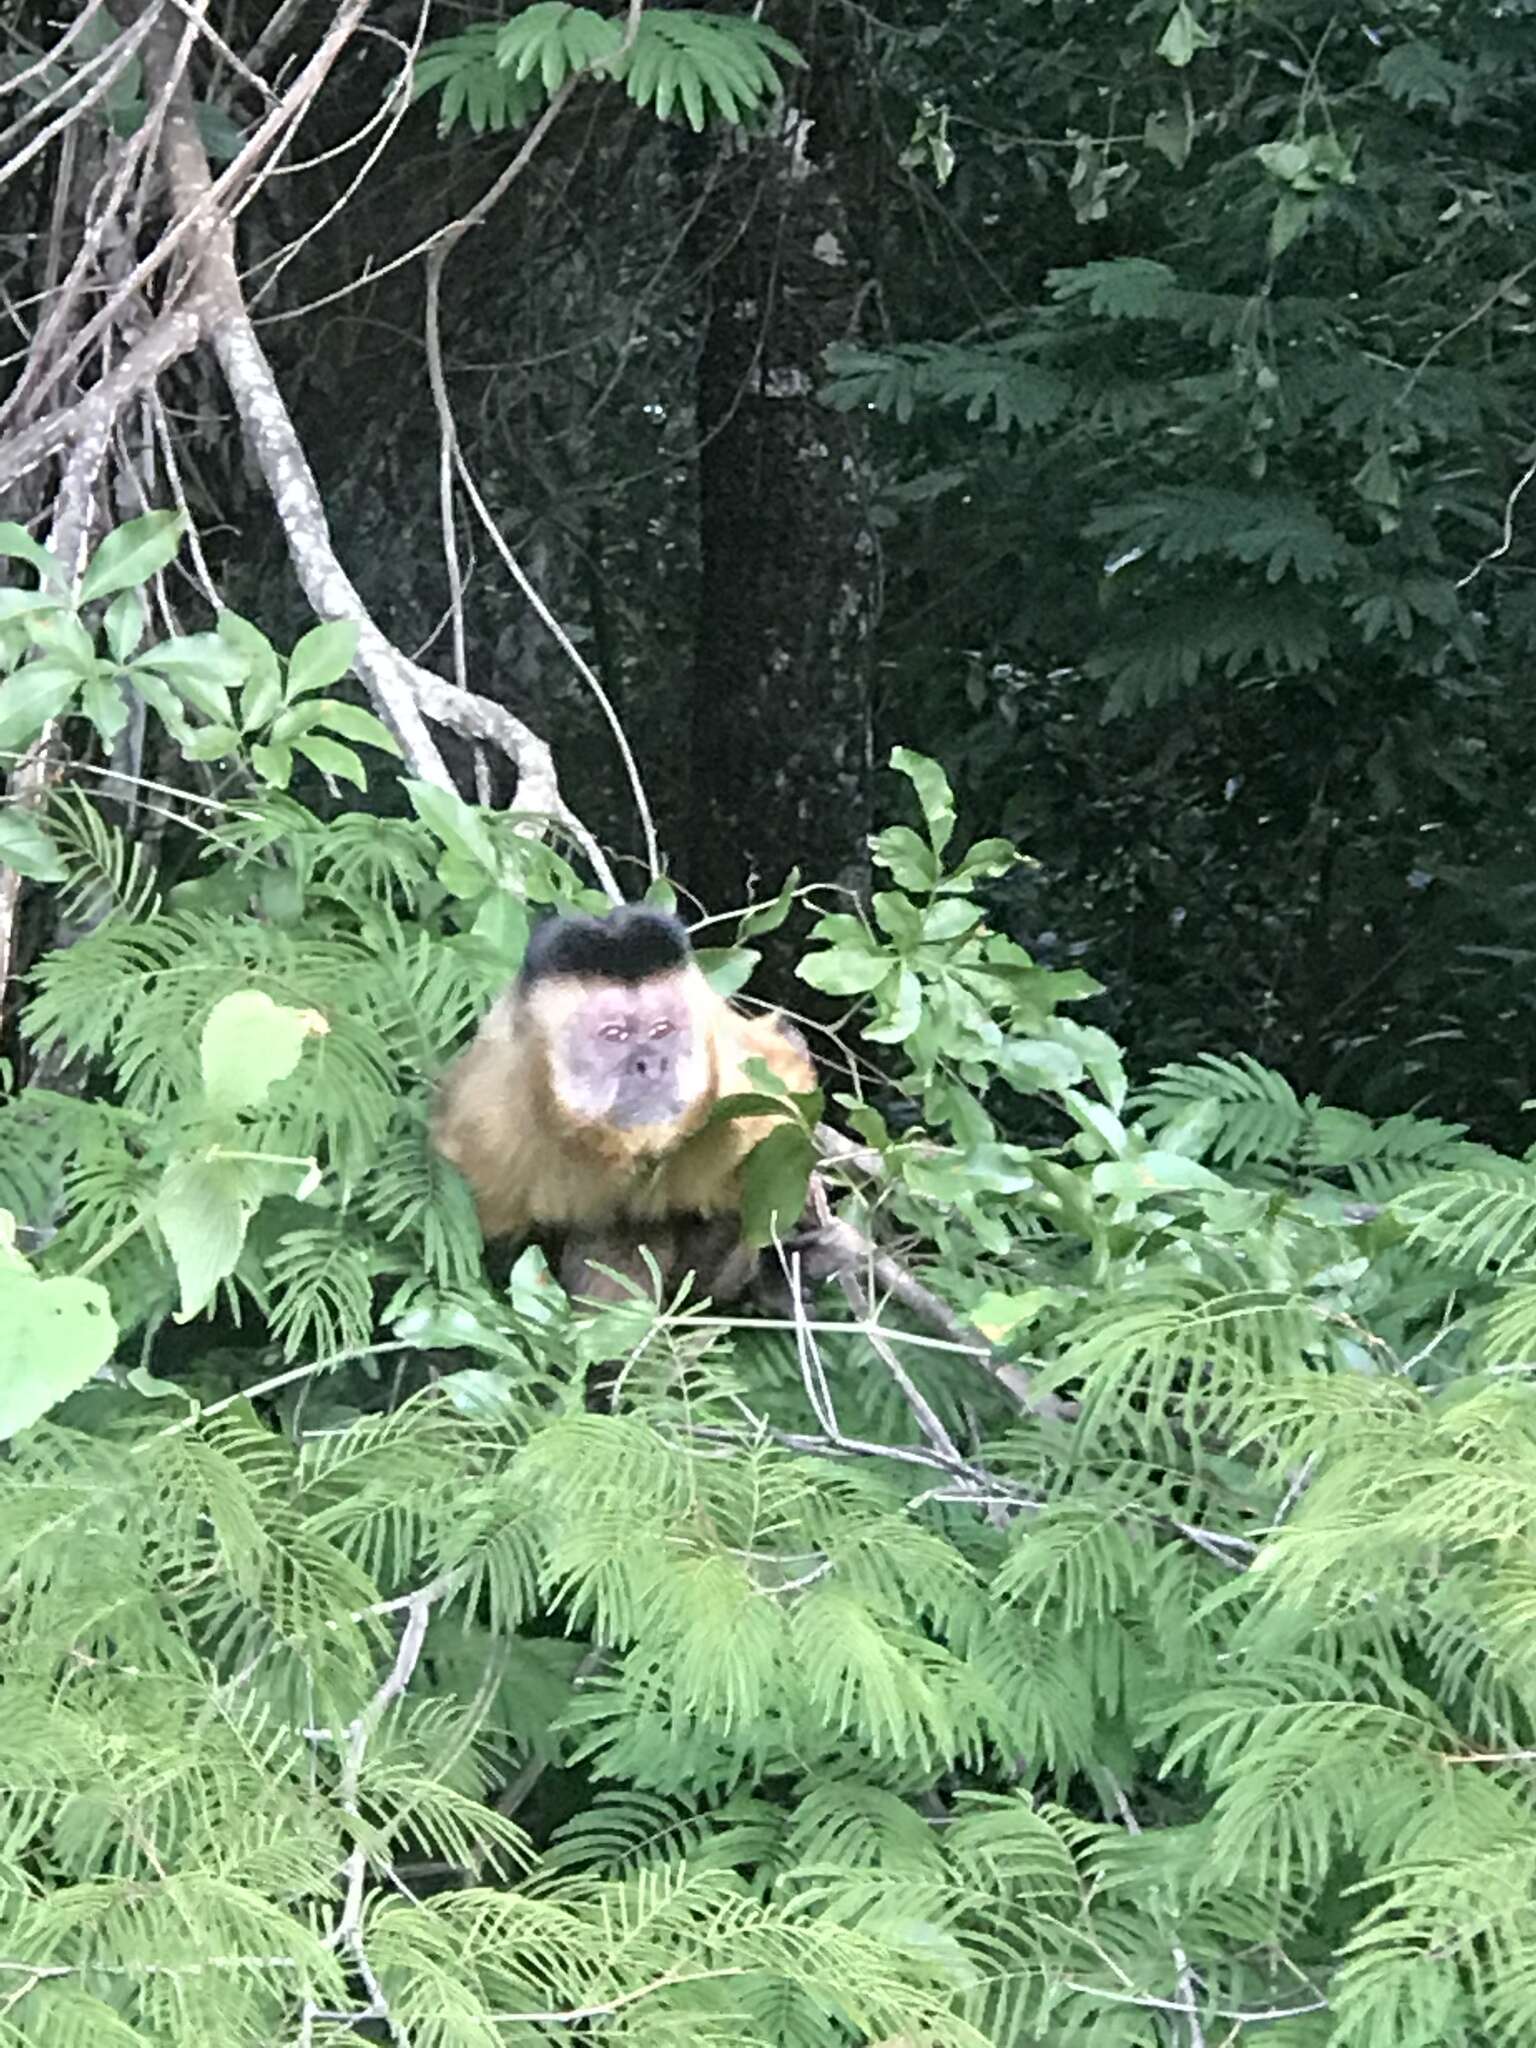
[635,1116]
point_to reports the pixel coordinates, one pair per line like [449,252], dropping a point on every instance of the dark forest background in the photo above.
[1130,409]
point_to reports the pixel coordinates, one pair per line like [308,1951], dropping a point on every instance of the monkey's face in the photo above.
[624,1056]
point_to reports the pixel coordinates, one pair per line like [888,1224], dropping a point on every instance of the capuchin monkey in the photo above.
[579,1114]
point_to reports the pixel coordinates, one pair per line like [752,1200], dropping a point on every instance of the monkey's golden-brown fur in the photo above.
[532,1164]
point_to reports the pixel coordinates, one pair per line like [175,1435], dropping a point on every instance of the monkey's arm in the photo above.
[476,1126]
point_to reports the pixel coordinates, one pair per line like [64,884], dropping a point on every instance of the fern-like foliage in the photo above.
[674,60]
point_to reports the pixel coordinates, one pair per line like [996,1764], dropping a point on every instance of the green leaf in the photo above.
[26,847]
[910,861]
[20,604]
[61,634]
[458,825]
[501,924]
[162,699]
[29,698]
[1292,217]
[999,1316]
[211,743]
[322,657]
[775,1181]
[353,723]
[133,554]
[1151,1172]
[727,969]
[203,1210]
[19,546]
[933,794]
[261,695]
[332,758]
[1182,37]
[202,668]
[124,624]
[248,1044]
[949,918]
[55,1336]
[482,1395]
[897,916]
[768,917]
[1030,1063]
[273,764]
[845,973]
[906,1012]
[981,862]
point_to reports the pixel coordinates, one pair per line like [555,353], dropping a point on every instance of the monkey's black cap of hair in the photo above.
[628,945]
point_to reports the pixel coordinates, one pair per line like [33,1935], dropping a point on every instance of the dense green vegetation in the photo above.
[1101,1619]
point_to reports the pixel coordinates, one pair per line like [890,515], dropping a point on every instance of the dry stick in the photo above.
[892,1278]
[173,334]
[207,212]
[348,1934]
[52,55]
[116,58]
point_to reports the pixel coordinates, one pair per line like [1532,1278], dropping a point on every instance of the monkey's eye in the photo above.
[614,1033]
[661,1030]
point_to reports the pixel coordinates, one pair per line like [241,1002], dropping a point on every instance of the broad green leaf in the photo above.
[133,554]
[501,923]
[950,918]
[26,847]
[768,917]
[727,969]
[332,758]
[483,1396]
[775,1181]
[1183,36]
[906,1012]
[60,633]
[322,657]
[124,624]
[1031,1063]
[249,1043]
[55,1336]
[933,793]
[987,858]
[1149,1172]
[273,764]
[353,723]
[1100,1126]
[161,698]
[203,1209]
[261,694]
[999,1315]
[212,743]
[19,604]
[203,667]
[911,862]
[845,973]
[1292,217]
[19,546]
[982,1168]
[897,916]
[29,698]
[458,825]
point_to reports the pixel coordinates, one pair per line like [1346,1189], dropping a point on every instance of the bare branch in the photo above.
[174,334]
